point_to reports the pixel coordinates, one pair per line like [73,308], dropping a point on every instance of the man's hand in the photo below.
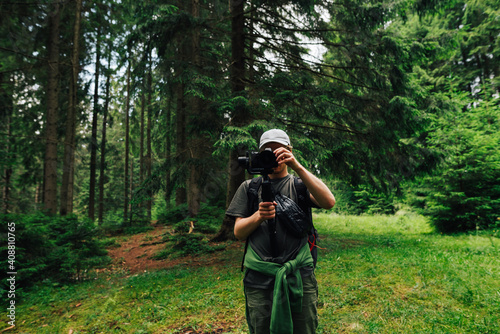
[284,156]
[267,210]
[243,227]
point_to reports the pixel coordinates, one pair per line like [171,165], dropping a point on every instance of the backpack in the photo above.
[303,203]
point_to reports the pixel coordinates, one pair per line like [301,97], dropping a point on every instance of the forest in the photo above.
[115,114]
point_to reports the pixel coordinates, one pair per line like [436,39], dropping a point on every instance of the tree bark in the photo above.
[237,73]
[141,139]
[93,139]
[237,175]
[102,174]
[149,161]
[50,160]
[127,147]
[131,184]
[38,194]
[195,140]
[69,143]
[180,113]
[8,168]
[168,151]
[180,122]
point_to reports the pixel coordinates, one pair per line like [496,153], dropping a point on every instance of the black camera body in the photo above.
[259,162]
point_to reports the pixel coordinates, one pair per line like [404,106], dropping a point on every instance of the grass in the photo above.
[377,274]
[393,275]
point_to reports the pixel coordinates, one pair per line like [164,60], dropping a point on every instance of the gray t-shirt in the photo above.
[288,245]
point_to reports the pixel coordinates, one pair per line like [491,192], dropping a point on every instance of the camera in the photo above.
[259,162]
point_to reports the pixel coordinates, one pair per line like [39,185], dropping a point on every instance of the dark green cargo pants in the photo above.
[259,303]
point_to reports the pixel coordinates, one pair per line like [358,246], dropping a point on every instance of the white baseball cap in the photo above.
[274,136]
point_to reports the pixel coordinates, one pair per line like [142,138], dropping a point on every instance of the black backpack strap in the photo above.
[253,206]
[302,194]
[305,203]
[253,194]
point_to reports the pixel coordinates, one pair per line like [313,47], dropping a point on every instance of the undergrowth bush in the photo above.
[372,202]
[465,191]
[362,199]
[183,244]
[190,233]
[174,215]
[52,248]
[207,221]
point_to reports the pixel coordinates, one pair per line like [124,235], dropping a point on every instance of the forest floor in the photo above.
[135,253]
[377,274]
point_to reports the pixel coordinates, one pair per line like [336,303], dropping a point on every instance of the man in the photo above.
[292,309]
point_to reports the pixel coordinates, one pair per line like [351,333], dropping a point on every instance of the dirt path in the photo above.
[135,252]
[134,255]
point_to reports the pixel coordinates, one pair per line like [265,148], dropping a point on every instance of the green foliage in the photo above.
[466,190]
[174,215]
[189,244]
[183,241]
[362,200]
[52,248]
[207,221]
[112,222]
[370,201]
[455,77]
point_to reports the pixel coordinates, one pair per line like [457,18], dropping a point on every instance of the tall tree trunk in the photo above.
[69,142]
[127,146]
[148,138]
[195,139]
[180,143]
[38,194]
[131,183]
[93,139]
[8,169]
[141,146]
[141,138]
[6,108]
[102,175]
[180,120]
[236,174]
[50,160]
[253,95]
[168,151]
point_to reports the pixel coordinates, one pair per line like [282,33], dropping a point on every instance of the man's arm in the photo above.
[320,194]
[243,227]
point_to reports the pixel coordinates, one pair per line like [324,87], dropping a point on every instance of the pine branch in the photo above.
[297,58]
[20,53]
[268,13]
[320,74]
[17,69]
[319,64]
[288,122]
[298,43]
[343,127]
[35,3]
[299,30]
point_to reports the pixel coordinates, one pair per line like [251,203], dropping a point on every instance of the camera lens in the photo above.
[267,159]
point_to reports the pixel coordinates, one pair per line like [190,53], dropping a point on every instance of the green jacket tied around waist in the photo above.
[287,295]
